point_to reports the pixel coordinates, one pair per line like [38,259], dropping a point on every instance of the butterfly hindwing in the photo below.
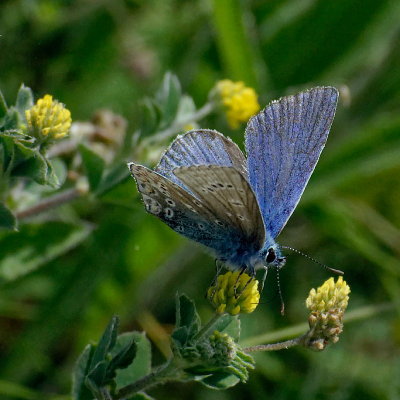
[184,213]
[283,144]
[229,195]
[200,147]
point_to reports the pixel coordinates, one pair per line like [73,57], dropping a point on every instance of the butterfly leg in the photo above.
[219,264]
[243,269]
[264,278]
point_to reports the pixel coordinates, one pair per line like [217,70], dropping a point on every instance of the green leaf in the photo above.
[97,375]
[24,99]
[186,107]
[150,116]
[106,343]
[52,178]
[79,388]
[186,315]
[168,97]
[180,337]
[122,354]
[7,218]
[57,172]
[220,380]
[3,106]
[24,147]
[35,167]
[141,365]
[12,120]
[94,166]
[94,388]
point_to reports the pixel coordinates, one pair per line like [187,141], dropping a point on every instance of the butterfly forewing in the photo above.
[200,147]
[185,214]
[225,191]
[283,144]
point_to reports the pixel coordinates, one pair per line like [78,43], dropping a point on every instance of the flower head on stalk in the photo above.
[48,119]
[239,101]
[217,354]
[234,293]
[327,305]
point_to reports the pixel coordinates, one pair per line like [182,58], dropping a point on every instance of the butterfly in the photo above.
[207,190]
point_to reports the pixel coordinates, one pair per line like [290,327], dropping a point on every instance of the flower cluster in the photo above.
[218,353]
[240,102]
[48,119]
[223,348]
[234,293]
[327,305]
[228,354]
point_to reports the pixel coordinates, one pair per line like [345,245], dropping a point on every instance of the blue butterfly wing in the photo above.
[186,214]
[283,144]
[200,147]
[227,193]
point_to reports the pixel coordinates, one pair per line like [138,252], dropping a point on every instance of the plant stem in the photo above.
[49,203]
[163,374]
[350,316]
[277,346]
[207,327]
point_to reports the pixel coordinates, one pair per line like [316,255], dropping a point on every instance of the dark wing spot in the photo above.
[168,213]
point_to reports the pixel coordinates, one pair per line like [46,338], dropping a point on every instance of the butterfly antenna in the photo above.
[336,271]
[280,292]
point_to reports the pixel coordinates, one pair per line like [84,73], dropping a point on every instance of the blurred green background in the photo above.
[117,259]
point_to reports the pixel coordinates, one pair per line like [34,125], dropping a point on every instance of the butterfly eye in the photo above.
[270,256]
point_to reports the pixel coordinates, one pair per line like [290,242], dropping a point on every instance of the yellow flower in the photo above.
[234,293]
[327,305]
[240,102]
[190,126]
[48,119]
[329,296]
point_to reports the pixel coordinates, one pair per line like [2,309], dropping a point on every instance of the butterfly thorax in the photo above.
[270,255]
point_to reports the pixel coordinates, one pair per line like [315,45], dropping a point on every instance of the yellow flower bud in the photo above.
[331,295]
[190,126]
[327,305]
[234,293]
[48,119]
[240,102]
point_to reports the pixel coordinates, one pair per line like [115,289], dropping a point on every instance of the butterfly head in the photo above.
[273,257]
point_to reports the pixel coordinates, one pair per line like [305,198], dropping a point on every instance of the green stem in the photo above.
[277,346]
[163,374]
[208,327]
[350,316]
